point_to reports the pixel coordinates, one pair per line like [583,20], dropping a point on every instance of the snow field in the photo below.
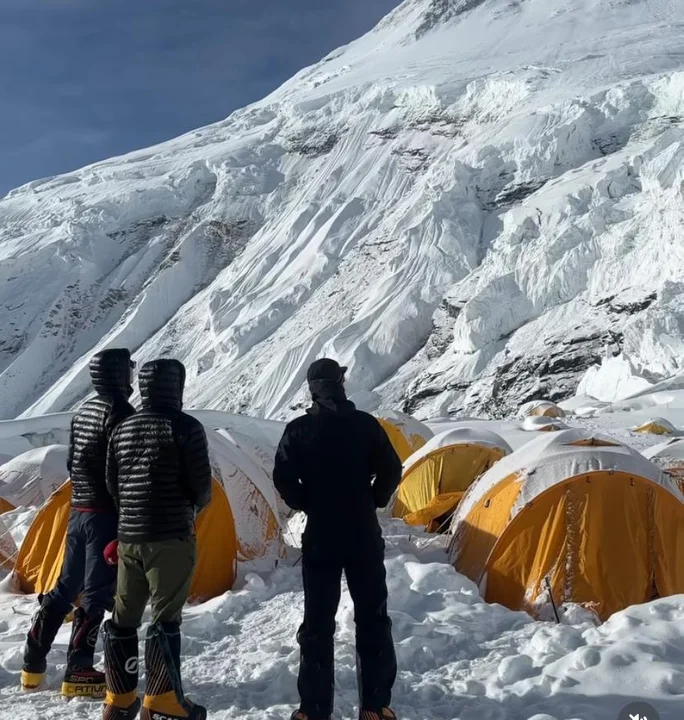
[458,656]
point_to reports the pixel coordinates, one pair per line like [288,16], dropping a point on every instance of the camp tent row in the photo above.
[531,526]
[244,519]
[438,473]
[241,521]
[571,517]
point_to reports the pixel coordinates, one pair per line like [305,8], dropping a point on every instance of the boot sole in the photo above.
[111,712]
[32,682]
[94,691]
[148,714]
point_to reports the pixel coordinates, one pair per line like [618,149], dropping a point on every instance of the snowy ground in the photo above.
[459,657]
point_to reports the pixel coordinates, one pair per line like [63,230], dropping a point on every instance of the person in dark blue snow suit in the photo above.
[92,526]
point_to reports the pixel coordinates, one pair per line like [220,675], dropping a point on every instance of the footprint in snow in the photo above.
[587,658]
[622,659]
[673,684]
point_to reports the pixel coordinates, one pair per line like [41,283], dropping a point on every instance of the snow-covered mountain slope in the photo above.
[465,206]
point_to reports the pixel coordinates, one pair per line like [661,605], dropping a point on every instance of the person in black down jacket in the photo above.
[158,473]
[92,525]
[338,466]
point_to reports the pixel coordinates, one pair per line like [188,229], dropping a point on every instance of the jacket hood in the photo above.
[329,397]
[110,371]
[162,383]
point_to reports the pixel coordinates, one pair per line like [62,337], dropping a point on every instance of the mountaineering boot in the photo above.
[164,698]
[80,678]
[382,714]
[301,715]
[121,673]
[44,627]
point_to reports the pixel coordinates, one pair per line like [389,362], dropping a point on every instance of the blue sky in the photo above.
[82,80]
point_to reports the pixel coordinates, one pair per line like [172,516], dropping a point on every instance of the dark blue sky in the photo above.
[82,80]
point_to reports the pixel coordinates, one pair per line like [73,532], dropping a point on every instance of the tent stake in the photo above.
[553,602]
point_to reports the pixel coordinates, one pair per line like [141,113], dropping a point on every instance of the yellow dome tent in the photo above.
[30,478]
[238,521]
[543,423]
[251,494]
[669,457]
[42,552]
[436,476]
[544,520]
[656,426]
[405,433]
[540,408]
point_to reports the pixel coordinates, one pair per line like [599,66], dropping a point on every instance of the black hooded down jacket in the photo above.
[336,464]
[158,469]
[92,426]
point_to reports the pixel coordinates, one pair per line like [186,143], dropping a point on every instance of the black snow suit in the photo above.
[338,466]
[92,520]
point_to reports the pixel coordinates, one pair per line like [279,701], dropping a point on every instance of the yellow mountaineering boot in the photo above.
[121,673]
[164,698]
[80,678]
[45,624]
[32,681]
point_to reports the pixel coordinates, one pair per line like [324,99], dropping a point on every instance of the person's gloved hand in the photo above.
[111,553]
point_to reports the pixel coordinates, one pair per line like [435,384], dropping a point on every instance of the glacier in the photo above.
[469,206]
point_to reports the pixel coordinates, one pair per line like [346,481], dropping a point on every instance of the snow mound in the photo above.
[671,451]
[543,423]
[457,656]
[614,379]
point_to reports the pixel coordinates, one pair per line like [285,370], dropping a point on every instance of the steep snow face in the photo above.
[464,206]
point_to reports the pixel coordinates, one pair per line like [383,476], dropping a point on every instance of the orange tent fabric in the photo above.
[42,553]
[542,524]
[437,475]
[405,433]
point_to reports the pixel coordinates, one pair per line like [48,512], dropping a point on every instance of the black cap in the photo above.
[325,369]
